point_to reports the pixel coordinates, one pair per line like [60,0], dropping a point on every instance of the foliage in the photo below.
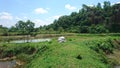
[105,46]
[3,31]
[98,29]
[25,27]
[10,51]
[105,19]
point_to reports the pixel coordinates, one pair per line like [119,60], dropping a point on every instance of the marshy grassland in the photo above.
[79,51]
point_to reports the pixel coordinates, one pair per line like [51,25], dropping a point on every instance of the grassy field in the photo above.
[79,51]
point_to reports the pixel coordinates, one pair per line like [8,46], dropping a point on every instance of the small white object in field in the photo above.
[61,39]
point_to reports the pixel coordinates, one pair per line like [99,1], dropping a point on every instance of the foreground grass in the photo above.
[65,56]
[75,53]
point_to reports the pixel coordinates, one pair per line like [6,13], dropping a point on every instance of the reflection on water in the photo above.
[7,64]
[33,40]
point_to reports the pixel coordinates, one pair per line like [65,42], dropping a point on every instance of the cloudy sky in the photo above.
[41,12]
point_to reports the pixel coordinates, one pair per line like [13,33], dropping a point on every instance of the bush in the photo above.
[9,51]
[106,46]
[98,29]
[24,57]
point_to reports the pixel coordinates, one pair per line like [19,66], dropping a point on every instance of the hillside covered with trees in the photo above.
[90,19]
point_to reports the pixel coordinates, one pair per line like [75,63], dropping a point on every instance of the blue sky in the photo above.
[41,12]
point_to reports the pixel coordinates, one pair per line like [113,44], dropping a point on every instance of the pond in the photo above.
[8,64]
[32,40]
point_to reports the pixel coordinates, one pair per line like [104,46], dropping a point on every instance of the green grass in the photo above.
[65,55]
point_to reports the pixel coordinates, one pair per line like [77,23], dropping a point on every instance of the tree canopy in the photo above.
[91,19]
[25,27]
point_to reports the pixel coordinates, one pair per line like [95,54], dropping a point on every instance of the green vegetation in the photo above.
[80,51]
[90,19]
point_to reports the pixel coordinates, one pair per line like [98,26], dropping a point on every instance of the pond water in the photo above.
[32,40]
[12,64]
[7,64]
[116,66]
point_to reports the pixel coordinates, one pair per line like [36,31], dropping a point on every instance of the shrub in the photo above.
[9,51]
[98,29]
[24,57]
[106,46]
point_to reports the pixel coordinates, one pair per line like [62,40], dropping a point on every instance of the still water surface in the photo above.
[7,64]
[32,40]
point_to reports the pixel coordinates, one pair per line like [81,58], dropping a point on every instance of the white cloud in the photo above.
[5,16]
[91,5]
[6,19]
[25,17]
[51,19]
[18,18]
[69,7]
[55,17]
[40,11]
[48,8]
[115,3]
[39,22]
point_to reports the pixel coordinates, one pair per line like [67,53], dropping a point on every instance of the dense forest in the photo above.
[90,19]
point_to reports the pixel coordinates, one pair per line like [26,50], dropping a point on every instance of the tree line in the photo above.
[90,19]
[20,28]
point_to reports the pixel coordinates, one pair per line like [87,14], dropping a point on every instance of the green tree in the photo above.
[21,27]
[25,28]
[51,30]
[3,31]
[60,30]
[107,17]
[13,29]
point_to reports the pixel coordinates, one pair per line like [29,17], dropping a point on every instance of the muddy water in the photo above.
[7,64]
